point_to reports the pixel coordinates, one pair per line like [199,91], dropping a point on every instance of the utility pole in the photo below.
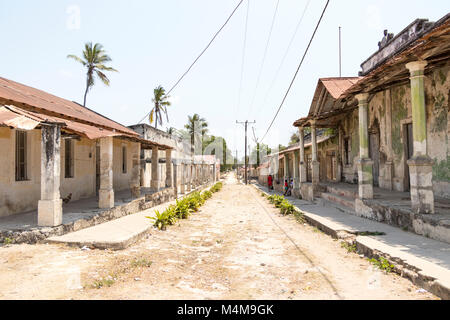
[245,158]
[340,54]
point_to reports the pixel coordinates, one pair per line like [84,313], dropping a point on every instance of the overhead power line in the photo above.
[285,56]
[201,53]
[264,57]
[298,69]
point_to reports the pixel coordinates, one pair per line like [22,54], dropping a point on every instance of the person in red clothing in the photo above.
[270,182]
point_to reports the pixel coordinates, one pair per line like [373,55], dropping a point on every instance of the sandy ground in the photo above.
[236,247]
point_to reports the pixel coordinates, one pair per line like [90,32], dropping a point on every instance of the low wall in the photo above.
[429,225]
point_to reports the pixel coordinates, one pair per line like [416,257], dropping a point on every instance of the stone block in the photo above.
[50,213]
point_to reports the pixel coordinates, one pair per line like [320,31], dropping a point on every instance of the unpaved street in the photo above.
[236,247]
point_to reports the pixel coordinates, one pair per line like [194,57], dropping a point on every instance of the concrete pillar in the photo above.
[315,161]
[339,153]
[155,184]
[365,164]
[135,183]
[147,169]
[176,178]
[296,166]
[50,205]
[214,173]
[183,178]
[420,165]
[286,167]
[169,182]
[106,192]
[188,177]
[389,164]
[302,164]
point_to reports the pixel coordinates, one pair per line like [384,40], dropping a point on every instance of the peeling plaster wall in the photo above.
[437,90]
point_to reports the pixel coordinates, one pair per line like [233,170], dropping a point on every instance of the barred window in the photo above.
[21,156]
[69,158]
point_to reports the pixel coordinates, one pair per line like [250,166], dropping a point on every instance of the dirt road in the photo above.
[236,247]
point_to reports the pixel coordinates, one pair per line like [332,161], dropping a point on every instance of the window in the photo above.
[124,159]
[69,158]
[347,151]
[21,156]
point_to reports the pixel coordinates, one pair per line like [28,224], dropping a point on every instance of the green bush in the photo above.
[217,187]
[165,218]
[382,264]
[207,195]
[286,208]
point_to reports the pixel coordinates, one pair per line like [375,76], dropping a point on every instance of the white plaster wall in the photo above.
[19,196]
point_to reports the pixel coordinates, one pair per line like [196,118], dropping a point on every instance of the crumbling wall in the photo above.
[437,90]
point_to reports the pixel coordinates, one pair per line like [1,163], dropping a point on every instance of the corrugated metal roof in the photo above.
[23,96]
[337,86]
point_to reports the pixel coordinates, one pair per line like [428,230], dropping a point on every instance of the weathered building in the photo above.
[56,151]
[392,127]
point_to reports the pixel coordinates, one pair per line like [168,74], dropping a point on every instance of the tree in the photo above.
[197,127]
[295,138]
[160,103]
[94,59]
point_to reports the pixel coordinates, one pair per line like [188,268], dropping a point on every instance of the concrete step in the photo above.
[352,194]
[339,199]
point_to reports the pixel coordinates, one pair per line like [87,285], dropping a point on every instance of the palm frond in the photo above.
[76,58]
[102,77]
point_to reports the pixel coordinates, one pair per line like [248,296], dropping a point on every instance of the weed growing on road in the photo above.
[141,262]
[183,208]
[103,282]
[7,241]
[351,248]
[382,264]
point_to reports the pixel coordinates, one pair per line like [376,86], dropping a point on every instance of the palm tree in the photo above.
[94,59]
[197,127]
[161,102]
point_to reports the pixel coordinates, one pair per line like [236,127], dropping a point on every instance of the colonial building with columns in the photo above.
[178,167]
[55,153]
[390,158]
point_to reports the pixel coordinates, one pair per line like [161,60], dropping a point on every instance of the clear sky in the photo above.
[153,42]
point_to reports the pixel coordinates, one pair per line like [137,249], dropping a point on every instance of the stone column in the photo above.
[183,178]
[214,173]
[50,205]
[315,161]
[135,184]
[169,181]
[188,177]
[365,164]
[389,164]
[106,192]
[303,164]
[176,178]
[339,153]
[420,165]
[155,185]
[286,167]
[296,166]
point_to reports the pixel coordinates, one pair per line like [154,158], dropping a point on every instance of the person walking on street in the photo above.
[270,182]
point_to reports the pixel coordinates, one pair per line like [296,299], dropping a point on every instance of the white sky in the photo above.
[153,42]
